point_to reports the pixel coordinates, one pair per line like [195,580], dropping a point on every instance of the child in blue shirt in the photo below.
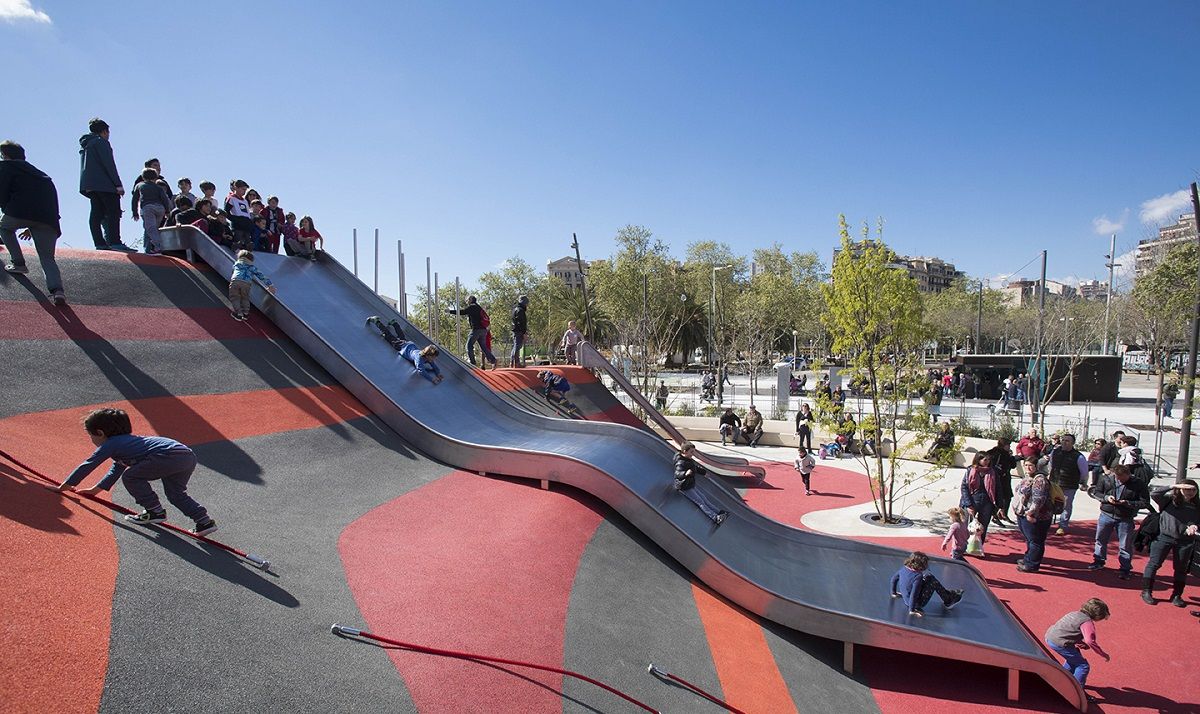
[240,282]
[138,460]
[422,358]
[556,387]
[917,585]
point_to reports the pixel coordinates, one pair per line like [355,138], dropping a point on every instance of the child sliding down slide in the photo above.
[422,359]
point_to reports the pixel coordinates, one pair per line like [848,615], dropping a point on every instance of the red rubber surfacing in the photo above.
[440,566]
[25,320]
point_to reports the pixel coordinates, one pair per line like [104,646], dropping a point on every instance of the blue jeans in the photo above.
[1168,405]
[694,495]
[1035,541]
[479,336]
[1065,519]
[518,342]
[1125,533]
[45,237]
[1075,663]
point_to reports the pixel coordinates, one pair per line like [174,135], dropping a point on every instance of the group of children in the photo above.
[242,222]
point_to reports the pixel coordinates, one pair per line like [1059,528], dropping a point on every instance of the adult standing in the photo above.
[1121,497]
[1034,513]
[933,399]
[570,342]
[977,493]
[1170,391]
[477,320]
[804,420]
[1110,453]
[29,201]
[100,182]
[520,327]
[1003,462]
[1068,469]
[1178,523]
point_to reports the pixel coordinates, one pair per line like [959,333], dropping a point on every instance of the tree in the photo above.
[498,293]
[1161,304]
[954,314]
[875,319]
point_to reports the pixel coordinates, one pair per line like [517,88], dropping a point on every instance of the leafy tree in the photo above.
[875,319]
[953,314]
[1162,303]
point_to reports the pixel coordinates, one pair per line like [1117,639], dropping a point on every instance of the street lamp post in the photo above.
[712,311]
[1112,257]
[794,355]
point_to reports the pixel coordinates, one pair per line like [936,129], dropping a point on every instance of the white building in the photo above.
[567,270]
[1152,250]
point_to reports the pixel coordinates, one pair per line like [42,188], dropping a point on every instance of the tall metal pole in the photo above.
[403,289]
[588,332]
[437,312]
[429,296]
[712,308]
[1112,263]
[979,319]
[400,267]
[376,261]
[1189,390]
[646,331]
[1035,396]
[356,252]
[458,343]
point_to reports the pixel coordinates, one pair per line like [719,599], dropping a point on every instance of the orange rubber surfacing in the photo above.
[59,554]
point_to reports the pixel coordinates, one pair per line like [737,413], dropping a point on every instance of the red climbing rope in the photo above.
[662,673]
[354,632]
[258,562]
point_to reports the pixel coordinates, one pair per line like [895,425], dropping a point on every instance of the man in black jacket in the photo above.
[1110,453]
[30,202]
[475,318]
[99,181]
[520,326]
[1121,497]
[686,470]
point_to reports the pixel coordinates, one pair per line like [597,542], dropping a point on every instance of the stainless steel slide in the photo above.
[827,586]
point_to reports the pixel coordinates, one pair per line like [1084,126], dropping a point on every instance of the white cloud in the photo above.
[1104,226]
[21,10]
[1165,207]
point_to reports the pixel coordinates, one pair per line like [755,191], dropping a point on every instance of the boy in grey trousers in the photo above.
[239,284]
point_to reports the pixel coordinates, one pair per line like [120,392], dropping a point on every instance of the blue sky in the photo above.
[474,131]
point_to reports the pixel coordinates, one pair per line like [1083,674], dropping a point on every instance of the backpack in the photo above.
[1146,532]
[1058,499]
[1140,469]
[484,320]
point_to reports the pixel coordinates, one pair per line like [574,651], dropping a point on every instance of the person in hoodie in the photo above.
[29,202]
[151,203]
[478,321]
[99,181]
[520,327]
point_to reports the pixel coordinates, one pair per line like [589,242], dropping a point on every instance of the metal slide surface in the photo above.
[823,585]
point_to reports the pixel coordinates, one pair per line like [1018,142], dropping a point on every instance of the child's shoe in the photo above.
[17,269]
[916,613]
[721,517]
[954,599]
[58,298]
[204,527]
[145,518]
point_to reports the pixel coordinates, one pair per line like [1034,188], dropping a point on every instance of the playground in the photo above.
[477,519]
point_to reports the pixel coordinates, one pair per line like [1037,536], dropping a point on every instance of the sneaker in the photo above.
[16,269]
[1148,597]
[1060,531]
[1095,566]
[1123,575]
[721,517]
[204,527]
[145,518]
[121,248]
[235,315]
[1177,601]
[954,599]
[58,298]
[374,320]
[1025,568]
[807,493]
[916,613]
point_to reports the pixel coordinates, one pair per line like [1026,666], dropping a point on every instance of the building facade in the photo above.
[1022,292]
[933,275]
[567,270]
[1152,250]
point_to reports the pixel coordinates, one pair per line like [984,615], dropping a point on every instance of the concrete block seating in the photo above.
[783,433]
